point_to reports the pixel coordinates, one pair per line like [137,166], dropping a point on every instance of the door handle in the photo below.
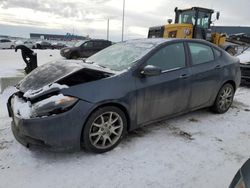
[184,76]
[218,66]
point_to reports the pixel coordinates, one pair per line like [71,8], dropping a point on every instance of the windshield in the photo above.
[187,17]
[79,43]
[121,56]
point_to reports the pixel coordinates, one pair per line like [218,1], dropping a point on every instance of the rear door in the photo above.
[167,93]
[98,45]
[206,74]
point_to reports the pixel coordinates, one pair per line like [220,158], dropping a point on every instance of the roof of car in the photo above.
[97,40]
[158,41]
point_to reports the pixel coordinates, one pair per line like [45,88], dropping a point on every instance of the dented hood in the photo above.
[54,72]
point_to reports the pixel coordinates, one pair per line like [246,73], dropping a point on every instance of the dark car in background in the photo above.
[85,48]
[93,103]
[58,45]
[43,45]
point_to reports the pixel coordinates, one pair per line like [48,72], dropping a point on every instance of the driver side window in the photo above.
[169,57]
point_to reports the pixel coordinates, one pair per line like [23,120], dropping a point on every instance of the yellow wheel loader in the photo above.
[194,23]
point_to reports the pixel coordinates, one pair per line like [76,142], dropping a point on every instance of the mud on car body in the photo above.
[93,103]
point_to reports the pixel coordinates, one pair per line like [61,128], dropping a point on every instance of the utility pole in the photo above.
[123,19]
[108,30]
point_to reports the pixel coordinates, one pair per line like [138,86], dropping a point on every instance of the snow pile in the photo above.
[33,93]
[244,57]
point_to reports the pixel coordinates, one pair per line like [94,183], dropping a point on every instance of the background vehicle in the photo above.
[194,23]
[245,71]
[84,48]
[29,44]
[43,45]
[80,100]
[6,44]
[58,45]
[242,37]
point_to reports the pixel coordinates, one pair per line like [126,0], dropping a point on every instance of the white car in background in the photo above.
[6,44]
[27,43]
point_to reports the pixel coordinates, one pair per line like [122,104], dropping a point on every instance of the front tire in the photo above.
[104,129]
[224,99]
[74,56]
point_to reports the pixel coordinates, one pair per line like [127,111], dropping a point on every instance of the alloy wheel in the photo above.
[106,130]
[226,98]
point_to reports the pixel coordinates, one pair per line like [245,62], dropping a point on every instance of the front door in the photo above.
[87,49]
[167,93]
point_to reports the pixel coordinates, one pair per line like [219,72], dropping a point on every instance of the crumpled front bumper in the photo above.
[56,132]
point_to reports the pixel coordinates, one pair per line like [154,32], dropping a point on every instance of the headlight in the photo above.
[66,50]
[53,105]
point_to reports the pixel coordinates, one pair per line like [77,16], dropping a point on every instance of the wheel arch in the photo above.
[225,82]
[230,82]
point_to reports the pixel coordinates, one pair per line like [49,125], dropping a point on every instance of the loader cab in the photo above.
[200,18]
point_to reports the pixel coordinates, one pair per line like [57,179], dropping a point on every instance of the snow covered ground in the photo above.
[11,60]
[199,149]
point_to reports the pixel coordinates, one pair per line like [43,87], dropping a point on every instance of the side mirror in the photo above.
[151,70]
[217,15]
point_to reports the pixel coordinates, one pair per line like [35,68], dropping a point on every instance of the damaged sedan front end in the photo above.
[42,114]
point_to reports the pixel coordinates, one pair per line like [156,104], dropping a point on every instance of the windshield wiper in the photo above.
[88,62]
[101,66]
[92,62]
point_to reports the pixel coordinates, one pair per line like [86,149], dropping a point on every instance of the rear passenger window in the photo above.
[169,57]
[200,53]
[98,44]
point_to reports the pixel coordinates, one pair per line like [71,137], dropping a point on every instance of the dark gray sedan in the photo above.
[92,104]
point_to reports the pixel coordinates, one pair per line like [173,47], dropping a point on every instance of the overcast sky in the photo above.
[89,17]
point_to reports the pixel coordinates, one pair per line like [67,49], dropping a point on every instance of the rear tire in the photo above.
[104,129]
[224,99]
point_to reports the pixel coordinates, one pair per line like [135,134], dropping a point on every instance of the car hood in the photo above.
[58,75]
